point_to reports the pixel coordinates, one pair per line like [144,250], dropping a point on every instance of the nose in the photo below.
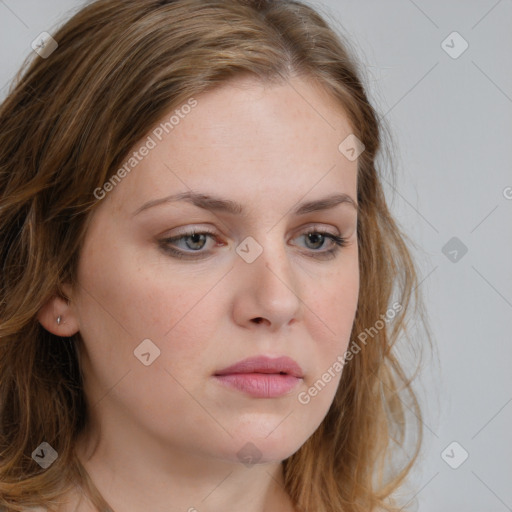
[267,291]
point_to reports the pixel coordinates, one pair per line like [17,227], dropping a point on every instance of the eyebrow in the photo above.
[218,204]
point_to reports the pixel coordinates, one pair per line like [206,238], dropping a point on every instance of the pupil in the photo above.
[315,235]
[195,238]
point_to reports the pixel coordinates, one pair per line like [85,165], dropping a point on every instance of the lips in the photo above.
[262,377]
[262,364]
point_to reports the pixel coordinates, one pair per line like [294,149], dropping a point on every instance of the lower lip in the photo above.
[260,385]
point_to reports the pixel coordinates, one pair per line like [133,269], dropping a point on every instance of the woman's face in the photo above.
[157,328]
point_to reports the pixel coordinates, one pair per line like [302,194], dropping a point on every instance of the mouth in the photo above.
[262,377]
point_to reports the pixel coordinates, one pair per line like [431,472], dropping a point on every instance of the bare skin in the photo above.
[173,438]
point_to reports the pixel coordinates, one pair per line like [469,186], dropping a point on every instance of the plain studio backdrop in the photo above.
[440,75]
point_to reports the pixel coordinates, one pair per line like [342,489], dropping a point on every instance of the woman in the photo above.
[198,301]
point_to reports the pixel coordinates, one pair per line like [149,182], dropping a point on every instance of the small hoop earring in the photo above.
[59,319]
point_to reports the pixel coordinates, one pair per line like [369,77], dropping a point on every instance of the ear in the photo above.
[58,316]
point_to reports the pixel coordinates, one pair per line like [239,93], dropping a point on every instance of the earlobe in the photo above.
[57,316]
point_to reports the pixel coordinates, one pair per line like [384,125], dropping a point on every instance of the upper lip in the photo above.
[263,364]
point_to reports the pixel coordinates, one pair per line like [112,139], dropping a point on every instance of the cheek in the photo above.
[129,302]
[123,303]
[332,313]
[120,291]
[335,303]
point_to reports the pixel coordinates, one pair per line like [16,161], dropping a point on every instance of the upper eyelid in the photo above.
[214,232]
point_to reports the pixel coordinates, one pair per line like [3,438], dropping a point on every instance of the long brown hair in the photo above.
[68,123]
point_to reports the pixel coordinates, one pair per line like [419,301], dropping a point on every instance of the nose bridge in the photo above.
[269,278]
[270,254]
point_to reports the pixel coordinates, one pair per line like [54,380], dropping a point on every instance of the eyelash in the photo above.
[325,255]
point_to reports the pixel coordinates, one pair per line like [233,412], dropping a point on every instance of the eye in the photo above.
[316,238]
[194,241]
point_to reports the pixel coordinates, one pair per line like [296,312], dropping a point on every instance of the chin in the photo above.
[251,447]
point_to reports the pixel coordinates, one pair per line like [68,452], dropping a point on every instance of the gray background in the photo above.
[451,123]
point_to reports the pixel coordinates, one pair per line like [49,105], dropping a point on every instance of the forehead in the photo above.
[247,140]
